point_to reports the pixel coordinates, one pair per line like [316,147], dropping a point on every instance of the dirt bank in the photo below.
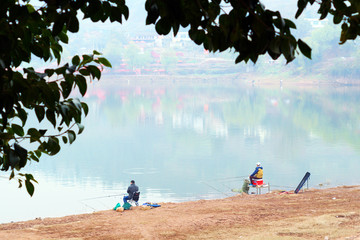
[314,214]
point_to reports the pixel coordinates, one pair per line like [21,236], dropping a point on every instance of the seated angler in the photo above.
[257,174]
[131,190]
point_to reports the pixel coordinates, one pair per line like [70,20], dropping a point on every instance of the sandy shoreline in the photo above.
[332,213]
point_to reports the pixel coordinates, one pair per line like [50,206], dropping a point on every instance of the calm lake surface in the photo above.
[184,142]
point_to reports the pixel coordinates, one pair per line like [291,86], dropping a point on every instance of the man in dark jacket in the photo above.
[131,190]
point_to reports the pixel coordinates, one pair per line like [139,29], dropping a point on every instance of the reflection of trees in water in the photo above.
[330,114]
[333,115]
[206,132]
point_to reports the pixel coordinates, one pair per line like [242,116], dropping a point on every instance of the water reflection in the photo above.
[186,142]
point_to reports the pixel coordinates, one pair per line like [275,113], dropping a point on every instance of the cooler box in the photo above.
[257,182]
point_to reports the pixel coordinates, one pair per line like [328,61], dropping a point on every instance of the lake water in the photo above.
[184,142]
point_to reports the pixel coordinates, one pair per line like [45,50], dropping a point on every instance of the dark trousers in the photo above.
[252,179]
[126,198]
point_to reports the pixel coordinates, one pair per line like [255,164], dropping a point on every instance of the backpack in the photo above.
[136,196]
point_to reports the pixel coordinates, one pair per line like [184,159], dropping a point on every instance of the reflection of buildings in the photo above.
[200,124]
[256,132]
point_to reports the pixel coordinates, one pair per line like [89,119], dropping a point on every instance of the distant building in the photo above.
[316,23]
[181,39]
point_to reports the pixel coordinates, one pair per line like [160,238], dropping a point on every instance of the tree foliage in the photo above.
[245,27]
[344,12]
[27,32]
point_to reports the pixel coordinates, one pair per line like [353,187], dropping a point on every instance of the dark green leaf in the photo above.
[34,134]
[81,83]
[289,23]
[40,112]
[339,5]
[30,177]
[30,8]
[153,12]
[17,129]
[104,62]
[29,187]
[38,153]
[76,103]
[301,6]
[198,36]
[337,18]
[14,159]
[81,128]
[324,9]
[49,72]
[5,162]
[115,15]
[73,24]
[85,108]
[12,175]
[53,146]
[86,59]
[71,136]
[275,45]
[37,51]
[75,60]
[84,71]
[125,11]
[33,157]
[22,153]
[94,71]
[66,88]
[58,26]
[175,27]
[63,37]
[22,115]
[42,131]
[240,58]
[163,26]
[50,115]
[304,48]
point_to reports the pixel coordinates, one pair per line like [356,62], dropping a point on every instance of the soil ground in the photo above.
[332,213]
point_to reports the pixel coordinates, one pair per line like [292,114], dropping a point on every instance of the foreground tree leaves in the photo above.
[47,94]
[27,32]
[346,13]
[245,27]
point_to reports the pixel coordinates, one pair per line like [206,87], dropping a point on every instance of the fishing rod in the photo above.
[227,178]
[233,180]
[102,203]
[115,195]
[227,186]
[88,206]
[214,188]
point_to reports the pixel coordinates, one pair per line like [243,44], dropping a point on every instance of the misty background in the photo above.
[135,48]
